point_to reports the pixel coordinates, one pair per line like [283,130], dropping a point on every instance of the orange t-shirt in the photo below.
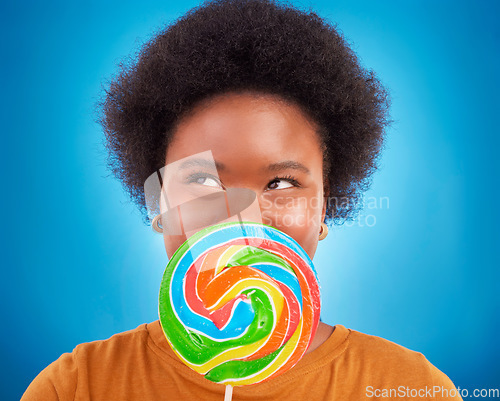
[140,365]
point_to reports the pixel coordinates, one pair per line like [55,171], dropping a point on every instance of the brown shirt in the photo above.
[139,365]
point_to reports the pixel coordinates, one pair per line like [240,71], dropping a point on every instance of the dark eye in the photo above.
[282,183]
[205,179]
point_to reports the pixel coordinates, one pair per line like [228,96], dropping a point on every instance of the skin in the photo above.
[264,144]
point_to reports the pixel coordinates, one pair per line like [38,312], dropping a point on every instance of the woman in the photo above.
[283,108]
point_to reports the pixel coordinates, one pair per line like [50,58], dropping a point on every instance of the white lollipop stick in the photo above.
[228,396]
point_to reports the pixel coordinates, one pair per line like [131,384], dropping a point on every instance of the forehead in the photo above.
[246,128]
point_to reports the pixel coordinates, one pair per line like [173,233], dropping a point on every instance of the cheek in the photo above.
[172,243]
[299,217]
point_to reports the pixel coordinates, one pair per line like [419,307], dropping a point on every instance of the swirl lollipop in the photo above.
[239,303]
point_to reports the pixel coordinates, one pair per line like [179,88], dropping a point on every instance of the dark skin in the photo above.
[265,144]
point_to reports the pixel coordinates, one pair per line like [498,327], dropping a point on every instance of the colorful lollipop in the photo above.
[239,303]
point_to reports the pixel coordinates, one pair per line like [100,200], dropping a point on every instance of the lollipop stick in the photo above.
[229,393]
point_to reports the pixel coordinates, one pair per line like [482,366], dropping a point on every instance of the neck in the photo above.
[323,332]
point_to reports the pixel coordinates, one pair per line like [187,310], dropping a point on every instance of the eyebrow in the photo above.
[286,165]
[201,163]
[274,167]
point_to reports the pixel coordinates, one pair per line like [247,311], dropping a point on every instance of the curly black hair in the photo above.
[247,45]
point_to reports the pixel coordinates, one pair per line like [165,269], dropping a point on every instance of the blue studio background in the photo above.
[419,267]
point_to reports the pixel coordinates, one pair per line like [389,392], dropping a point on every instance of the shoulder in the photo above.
[59,380]
[370,348]
[389,365]
[374,352]
[130,341]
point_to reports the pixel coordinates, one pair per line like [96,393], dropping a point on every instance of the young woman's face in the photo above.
[265,145]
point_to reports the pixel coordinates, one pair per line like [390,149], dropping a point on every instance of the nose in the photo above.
[243,203]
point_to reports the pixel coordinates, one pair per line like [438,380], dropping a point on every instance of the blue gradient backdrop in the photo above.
[421,269]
